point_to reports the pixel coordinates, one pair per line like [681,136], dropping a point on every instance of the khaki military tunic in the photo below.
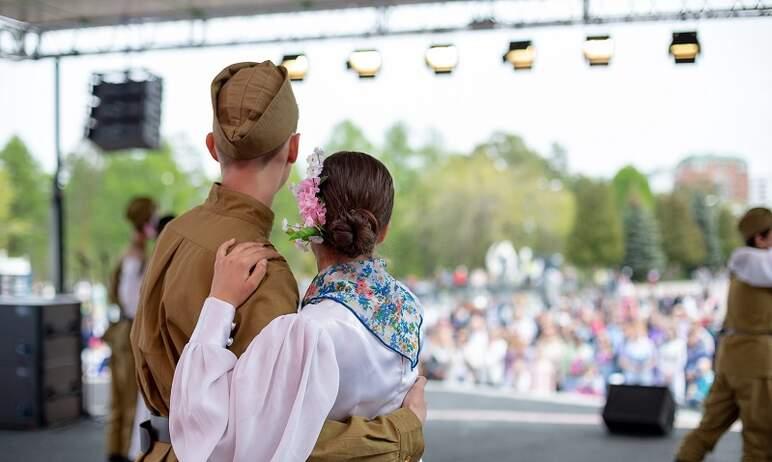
[177,281]
[743,385]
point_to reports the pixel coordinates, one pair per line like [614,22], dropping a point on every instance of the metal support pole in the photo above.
[57,193]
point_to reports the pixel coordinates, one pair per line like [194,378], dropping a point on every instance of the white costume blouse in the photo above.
[752,266]
[271,403]
[130,284]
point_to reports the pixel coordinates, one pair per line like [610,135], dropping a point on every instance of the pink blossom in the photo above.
[312,210]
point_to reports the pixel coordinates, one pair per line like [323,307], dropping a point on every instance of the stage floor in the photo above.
[464,425]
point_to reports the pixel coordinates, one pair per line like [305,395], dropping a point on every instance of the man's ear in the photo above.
[294,148]
[210,146]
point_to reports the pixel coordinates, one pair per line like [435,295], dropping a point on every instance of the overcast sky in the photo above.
[643,109]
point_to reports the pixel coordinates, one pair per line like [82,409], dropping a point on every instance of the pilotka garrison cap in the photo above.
[254,109]
[755,220]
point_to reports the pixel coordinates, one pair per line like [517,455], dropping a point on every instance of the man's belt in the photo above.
[744,332]
[155,430]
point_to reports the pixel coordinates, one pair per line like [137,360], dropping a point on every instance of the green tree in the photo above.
[6,199]
[596,237]
[682,238]
[450,207]
[99,188]
[470,202]
[28,227]
[728,235]
[705,215]
[643,252]
[629,184]
[346,136]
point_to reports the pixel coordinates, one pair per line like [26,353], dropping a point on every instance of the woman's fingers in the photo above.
[222,251]
[258,274]
[243,247]
[252,256]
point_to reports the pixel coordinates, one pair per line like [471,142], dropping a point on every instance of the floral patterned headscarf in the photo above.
[380,302]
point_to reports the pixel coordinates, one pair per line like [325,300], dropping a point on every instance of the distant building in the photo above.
[724,176]
[761,191]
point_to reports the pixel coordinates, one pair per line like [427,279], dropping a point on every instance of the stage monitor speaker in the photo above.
[125,111]
[40,366]
[639,410]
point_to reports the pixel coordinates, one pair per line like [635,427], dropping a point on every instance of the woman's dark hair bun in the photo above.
[353,232]
[358,194]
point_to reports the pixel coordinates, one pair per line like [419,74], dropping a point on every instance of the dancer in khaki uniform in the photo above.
[254,140]
[124,292]
[743,385]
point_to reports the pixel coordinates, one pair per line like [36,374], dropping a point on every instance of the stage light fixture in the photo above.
[520,55]
[685,47]
[297,66]
[366,63]
[598,50]
[442,59]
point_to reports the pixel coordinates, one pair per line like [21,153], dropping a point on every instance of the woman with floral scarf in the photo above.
[352,348]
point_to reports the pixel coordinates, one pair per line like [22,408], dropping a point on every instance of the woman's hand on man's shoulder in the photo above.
[239,269]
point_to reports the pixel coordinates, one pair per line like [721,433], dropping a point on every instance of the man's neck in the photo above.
[250,187]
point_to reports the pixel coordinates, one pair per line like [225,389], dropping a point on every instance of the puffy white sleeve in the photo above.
[200,397]
[752,266]
[130,284]
[269,405]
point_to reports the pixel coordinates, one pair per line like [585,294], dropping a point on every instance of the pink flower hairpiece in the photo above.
[311,207]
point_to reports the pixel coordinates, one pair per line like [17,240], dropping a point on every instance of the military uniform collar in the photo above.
[232,203]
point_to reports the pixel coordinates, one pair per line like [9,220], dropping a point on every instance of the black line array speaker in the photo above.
[40,366]
[125,111]
[639,410]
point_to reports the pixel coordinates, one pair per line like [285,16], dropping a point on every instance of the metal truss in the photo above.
[19,41]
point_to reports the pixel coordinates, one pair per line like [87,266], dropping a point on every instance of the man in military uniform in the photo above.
[255,141]
[743,384]
[124,292]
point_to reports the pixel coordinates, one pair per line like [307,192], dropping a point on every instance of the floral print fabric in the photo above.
[386,307]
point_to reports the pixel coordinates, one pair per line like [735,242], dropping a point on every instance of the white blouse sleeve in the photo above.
[130,284]
[269,405]
[752,266]
[200,397]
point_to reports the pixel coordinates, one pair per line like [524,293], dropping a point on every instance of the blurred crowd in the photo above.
[575,340]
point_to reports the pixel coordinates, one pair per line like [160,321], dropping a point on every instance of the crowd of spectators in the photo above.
[574,340]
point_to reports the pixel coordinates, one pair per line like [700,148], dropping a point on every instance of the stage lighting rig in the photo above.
[598,50]
[366,63]
[297,66]
[442,59]
[685,47]
[520,55]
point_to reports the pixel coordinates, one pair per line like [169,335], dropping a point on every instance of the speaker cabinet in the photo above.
[639,410]
[126,111]
[40,366]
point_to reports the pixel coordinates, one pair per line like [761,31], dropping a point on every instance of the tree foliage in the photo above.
[728,235]
[705,215]
[6,198]
[99,188]
[596,237]
[27,228]
[682,239]
[643,252]
[451,207]
[631,185]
